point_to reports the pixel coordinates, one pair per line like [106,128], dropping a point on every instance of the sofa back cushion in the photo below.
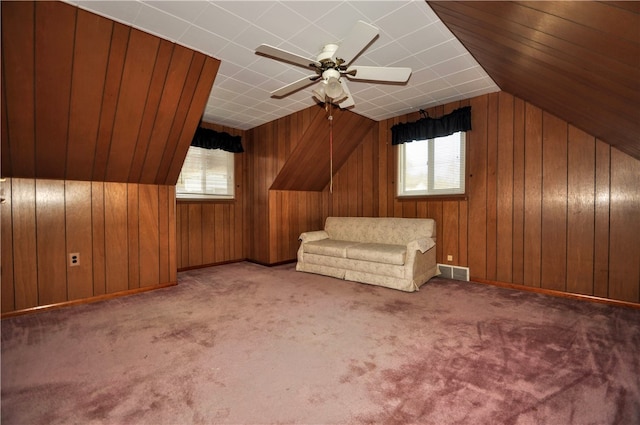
[386,230]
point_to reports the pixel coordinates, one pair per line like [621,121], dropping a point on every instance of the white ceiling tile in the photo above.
[203,41]
[313,10]
[375,10]
[422,39]
[160,23]
[248,10]
[254,36]
[220,21]
[235,86]
[468,75]
[410,35]
[312,39]
[282,21]
[439,53]
[388,55]
[183,9]
[340,21]
[238,55]
[121,11]
[228,69]
[407,16]
[453,65]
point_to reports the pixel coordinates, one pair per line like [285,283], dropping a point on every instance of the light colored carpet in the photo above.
[243,343]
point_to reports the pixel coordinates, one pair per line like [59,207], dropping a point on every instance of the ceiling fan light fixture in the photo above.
[319,93]
[334,88]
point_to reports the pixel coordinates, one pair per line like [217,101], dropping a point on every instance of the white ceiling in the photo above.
[411,35]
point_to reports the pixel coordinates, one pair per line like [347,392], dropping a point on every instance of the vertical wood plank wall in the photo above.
[121,231]
[548,205]
[277,217]
[113,103]
[212,232]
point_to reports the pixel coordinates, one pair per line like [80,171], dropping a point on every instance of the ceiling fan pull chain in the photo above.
[330,150]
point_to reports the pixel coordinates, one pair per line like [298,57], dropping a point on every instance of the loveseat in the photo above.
[397,253]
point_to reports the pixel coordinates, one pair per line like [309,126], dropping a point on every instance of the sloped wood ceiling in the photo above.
[309,165]
[86,98]
[578,60]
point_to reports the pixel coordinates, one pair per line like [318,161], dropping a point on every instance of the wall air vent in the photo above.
[454,272]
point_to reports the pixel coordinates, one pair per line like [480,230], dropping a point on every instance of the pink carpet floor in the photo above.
[247,344]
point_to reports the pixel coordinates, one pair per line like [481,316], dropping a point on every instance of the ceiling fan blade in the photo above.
[283,55]
[295,86]
[348,102]
[379,73]
[360,36]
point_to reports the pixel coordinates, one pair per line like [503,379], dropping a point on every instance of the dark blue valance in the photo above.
[429,128]
[210,139]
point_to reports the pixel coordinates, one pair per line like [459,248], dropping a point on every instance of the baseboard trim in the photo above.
[89,300]
[203,266]
[561,294]
[279,263]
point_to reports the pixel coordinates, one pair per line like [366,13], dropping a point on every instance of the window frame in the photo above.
[439,196]
[191,196]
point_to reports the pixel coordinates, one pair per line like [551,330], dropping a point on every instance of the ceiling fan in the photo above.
[333,63]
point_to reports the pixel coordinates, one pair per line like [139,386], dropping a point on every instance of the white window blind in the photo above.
[432,166]
[206,174]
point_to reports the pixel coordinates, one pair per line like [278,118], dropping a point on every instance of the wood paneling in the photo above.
[92,42]
[25,265]
[78,224]
[576,60]
[6,245]
[554,202]
[150,234]
[212,232]
[98,238]
[89,99]
[624,225]
[580,208]
[142,51]
[116,237]
[18,69]
[307,167]
[289,159]
[532,196]
[540,193]
[54,36]
[45,220]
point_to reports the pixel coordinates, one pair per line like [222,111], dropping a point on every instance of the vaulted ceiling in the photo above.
[577,60]
[95,99]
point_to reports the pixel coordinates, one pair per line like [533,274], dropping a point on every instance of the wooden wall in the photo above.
[577,60]
[277,217]
[124,233]
[212,232]
[548,205]
[86,98]
[97,118]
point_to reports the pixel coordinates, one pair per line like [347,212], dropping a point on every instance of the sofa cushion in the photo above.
[391,230]
[378,253]
[329,247]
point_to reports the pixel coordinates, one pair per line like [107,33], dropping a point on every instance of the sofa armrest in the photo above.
[316,235]
[421,244]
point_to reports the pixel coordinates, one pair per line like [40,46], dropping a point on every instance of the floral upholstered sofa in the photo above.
[397,253]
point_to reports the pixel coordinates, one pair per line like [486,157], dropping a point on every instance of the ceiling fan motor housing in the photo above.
[327,53]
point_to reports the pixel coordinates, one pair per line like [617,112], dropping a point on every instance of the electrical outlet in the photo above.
[449,257]
[74,259]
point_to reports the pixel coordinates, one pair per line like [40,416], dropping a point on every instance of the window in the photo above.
[432,167]
[206,174]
